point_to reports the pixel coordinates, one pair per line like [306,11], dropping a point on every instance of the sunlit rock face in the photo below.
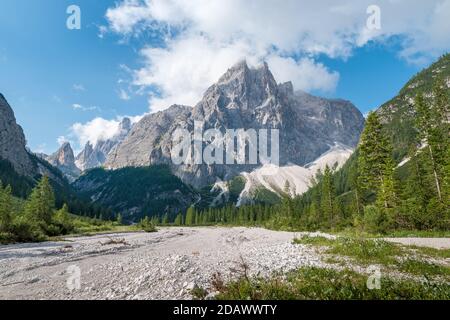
[243,98]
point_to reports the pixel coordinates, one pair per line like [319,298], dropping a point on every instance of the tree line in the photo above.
[36,218]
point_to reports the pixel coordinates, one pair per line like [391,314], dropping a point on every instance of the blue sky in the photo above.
[46,70]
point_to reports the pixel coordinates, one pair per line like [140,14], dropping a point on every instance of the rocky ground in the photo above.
[163,265]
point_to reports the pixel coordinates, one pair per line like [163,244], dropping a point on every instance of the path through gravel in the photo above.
[437,243]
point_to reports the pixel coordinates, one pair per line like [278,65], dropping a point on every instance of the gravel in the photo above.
[168,264]
[437,243]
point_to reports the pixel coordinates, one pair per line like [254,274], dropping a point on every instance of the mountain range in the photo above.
[243,98]
[314,132]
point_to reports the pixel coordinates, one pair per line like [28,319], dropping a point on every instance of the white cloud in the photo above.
[187,67]
[123,95]
[292,25]
[77,106]
[95,130]
[62,139]
[305,73]
[211,35]
[98,129]
[56,98]
[124,17]
[102,30]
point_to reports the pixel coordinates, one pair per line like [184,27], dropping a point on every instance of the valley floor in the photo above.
[167,264]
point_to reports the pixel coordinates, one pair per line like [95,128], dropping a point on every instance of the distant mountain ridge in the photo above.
[244,98]
[247,98]
[94,155]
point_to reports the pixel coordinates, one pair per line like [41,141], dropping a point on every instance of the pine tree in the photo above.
[424,122]
[5,208]
[287,208]
[328,195]
[355,188]
[432,124]
[375,164]
[165,220]
[190,216]
[415,193]
[62,219]
[119,219]
[440,140]
[155,220]
[178,220]
[315,217]
[40,205]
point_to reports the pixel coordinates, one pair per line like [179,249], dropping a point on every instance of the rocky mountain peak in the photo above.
[64,155]
[64,160]
[243,98]
[125,125]
[237,71]
[286,88]
[12,141]
[237,95]
[244,87]
[13,148]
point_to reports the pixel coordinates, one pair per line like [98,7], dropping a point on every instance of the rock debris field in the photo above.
[167,264]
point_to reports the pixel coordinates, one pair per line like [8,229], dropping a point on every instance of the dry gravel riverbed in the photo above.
[163,265]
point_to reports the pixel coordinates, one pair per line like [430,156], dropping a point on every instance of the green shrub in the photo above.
[147,225]
[6,237]
[423,268]
[376,220]
[25,230]
[439,214]
[312,283]
[63,221]
[367,251]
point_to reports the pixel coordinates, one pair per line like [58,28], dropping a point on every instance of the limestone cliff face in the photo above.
[64,160]
[13,149]
[249,99]
[12,142]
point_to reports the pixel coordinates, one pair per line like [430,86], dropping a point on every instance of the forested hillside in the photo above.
[398,114]
[399,176]
[137,192]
